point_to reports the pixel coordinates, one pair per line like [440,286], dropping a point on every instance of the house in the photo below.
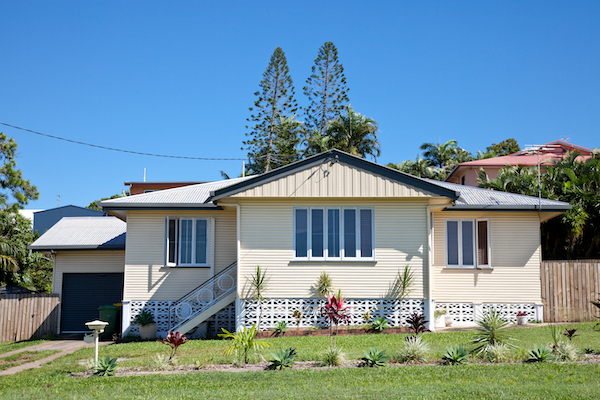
[467,173]
[45,219]
[189,251]
[147,187]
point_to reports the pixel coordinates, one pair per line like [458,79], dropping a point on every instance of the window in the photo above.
[467,243]
[333,233]
[188,242]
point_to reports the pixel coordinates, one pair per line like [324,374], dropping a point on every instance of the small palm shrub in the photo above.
[456,355]
[379,324]
[106,366]
[374,358]
[565,351]
[282,358]
[415,350]
[280,328]
[496,353]
[243,342]
[540,354]
[144,318]
[333,357]
[490,331]
[324,285]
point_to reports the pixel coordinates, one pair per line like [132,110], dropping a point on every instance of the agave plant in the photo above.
[335,312]
[282,358]
[374,358]
[456,355]
[106,366]
[379,324]
[174,339]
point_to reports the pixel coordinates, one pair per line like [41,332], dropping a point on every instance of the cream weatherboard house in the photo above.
[189,251]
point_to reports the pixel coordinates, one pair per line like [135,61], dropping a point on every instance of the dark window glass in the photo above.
[301,233]
[333,233]
[467,243]
[366,237]
[452,242]
[317,233]
[350,233]
[482,243]
[201,241]
[172,248]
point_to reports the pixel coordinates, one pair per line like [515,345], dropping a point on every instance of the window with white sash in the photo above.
[334,233]
[467,243]
[188,242]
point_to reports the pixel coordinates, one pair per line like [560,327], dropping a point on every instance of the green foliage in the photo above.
[282,358]
[455,355]
[258,285]
[326,90]
[490,330]
[243,342]
[415,350]
[11,178]
[540,354]
[144,318]
[19,266]
[280,327]
[565,351]
[274,133]
[374,358]
[94,204]
[333,356]
[324,285]
[106,366]
[379,324]
[496,353]
[402,285]
[504,148]
[419,167]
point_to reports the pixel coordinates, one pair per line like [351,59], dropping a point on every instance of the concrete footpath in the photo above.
[64,346]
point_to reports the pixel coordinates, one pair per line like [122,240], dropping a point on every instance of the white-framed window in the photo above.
[188,242]
[468,243]
[334,233]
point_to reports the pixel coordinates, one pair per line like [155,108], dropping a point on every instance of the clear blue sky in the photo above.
[178,78]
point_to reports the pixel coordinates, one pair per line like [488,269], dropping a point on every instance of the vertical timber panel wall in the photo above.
[28,316]
[568,287]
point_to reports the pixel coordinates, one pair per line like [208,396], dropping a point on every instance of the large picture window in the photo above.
[188,242]
[333,233]
[467,243]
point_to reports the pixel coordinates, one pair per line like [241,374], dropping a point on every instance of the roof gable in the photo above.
[334,174]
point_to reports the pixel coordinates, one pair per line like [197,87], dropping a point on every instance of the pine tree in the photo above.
[326,90]
[272,141]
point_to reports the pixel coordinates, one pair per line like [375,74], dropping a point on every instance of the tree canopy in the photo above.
[504,148]
[14,186]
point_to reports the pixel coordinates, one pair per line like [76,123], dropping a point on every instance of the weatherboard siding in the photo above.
[337,180]
[515,258]
[267,240]
[146,277]
[88,261]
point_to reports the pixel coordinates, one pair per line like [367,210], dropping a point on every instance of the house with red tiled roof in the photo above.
[466,173]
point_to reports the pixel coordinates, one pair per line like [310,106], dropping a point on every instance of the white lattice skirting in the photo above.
[470,312]
[160,309]
[306,312]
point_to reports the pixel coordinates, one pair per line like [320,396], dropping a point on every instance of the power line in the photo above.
[122,150]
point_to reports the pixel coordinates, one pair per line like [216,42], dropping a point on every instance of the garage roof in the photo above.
[83,233]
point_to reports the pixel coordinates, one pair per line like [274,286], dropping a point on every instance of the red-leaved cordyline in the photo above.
[174,339]
[335,312]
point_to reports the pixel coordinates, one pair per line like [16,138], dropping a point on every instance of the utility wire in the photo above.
[122,150]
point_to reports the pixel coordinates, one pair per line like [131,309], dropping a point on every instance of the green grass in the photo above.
[6,347]
[24,357]
[516,380]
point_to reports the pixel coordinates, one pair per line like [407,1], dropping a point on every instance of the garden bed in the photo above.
[342,331]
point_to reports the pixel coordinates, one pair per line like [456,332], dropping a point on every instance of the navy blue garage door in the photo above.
[82,294]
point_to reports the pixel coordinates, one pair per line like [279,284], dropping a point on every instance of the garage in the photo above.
[83,293]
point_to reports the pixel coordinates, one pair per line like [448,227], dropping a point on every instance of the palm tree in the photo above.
[440,154]
[419,167]
[354,133]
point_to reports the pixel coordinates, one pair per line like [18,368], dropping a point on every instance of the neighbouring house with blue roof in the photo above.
[186,254]
[45,219]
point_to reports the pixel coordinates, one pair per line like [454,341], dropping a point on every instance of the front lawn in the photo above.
[476,380]
[6,347]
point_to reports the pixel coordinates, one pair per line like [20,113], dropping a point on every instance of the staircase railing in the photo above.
[203,297]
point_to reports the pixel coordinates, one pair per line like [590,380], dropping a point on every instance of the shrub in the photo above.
[280,328]
[415,350]
[491,330]
[456,355]
[379,324]
[570,333]
[106,366]
[324,284]
[144,318]
[333,357]
[298,315]
[160,362]
[565,351]
[374,358]
[417,323]
[539,354]
[496,353]
[335,312]
[282,358]
[174,339]
[243,342]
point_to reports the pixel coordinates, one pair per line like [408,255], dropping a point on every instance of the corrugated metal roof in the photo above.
[184,197]
[78,233]
[472,198]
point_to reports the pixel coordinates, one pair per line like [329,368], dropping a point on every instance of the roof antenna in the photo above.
[58,200]
[144,174]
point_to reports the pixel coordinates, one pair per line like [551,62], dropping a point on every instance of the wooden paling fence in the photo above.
[28,316]
[567,289]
